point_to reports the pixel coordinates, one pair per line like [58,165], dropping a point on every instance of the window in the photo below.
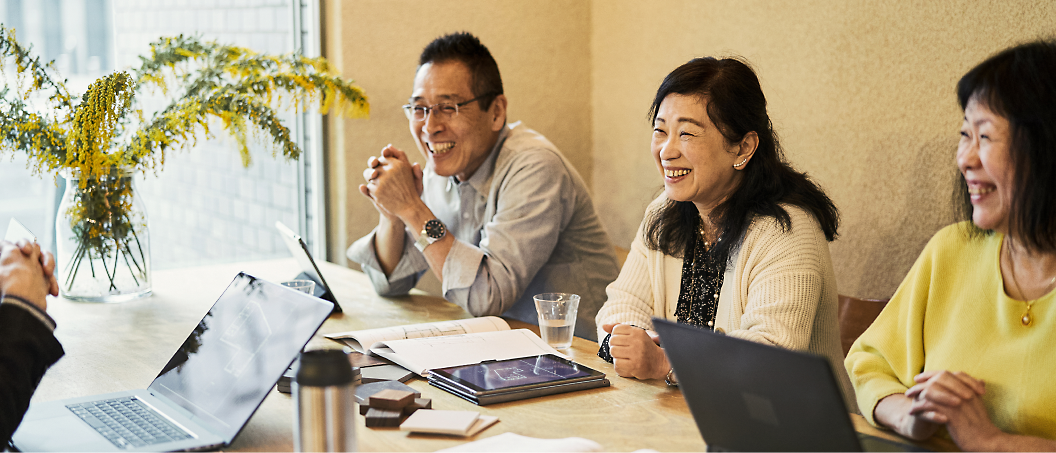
[203,206]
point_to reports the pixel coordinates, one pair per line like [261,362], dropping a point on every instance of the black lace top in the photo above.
[698,298]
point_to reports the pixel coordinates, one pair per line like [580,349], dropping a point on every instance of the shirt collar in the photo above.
[483,174]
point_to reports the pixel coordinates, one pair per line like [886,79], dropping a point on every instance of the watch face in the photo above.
[435,229]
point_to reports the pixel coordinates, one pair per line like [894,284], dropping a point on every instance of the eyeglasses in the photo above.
[442,111]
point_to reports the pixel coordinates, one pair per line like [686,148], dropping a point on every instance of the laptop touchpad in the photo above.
[38,434]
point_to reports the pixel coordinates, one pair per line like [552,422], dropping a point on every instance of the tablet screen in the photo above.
[506,374]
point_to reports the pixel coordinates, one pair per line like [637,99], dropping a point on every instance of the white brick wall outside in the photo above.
[204,207]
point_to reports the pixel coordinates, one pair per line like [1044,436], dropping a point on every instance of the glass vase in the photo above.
[102,239]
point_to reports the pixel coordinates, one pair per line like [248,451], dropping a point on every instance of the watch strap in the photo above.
[423,241]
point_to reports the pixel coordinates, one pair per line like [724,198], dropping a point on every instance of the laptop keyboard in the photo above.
[127,422]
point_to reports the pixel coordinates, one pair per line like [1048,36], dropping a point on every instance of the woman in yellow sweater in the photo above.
[966,343]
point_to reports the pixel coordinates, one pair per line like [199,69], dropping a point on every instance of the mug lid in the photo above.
[324,368]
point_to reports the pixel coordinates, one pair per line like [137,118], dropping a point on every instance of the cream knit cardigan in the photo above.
[780,291]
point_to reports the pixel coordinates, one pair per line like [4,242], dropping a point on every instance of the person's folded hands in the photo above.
[393,182]
[636,352]
[26,272]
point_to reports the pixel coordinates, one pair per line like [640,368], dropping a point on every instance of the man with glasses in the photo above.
[498,213]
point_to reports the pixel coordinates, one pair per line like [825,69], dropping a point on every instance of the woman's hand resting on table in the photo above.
[953,399]
[919,413]
[636,352]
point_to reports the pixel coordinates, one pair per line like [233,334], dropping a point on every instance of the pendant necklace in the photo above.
[704,258]
[1028,318]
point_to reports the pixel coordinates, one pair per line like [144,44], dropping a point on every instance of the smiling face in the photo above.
[455,146]
[983,157]
[692,155]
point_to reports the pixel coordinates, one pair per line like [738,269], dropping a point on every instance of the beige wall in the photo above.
[860,92]
[543,52]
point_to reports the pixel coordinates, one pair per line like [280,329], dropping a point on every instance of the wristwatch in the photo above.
[433,231]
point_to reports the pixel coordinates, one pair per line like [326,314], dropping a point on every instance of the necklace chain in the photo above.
[1028,318]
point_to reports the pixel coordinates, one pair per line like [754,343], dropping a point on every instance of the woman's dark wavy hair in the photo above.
[1019,84]
[736,105]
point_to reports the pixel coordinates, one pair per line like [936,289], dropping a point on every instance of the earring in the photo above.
[741,164]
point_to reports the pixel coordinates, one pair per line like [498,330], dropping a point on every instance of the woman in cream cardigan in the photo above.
[738,242]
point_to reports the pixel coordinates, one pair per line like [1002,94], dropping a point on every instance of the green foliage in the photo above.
[106,133]
[203,80]
[240,88]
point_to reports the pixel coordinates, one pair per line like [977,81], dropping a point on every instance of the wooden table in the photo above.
[113,347]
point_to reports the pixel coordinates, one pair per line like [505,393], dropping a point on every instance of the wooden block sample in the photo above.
[457,423]
[363,392]
[381,418]
[419,403]
[389,399]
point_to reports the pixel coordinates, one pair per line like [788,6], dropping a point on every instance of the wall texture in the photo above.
[543,52]
[861,94]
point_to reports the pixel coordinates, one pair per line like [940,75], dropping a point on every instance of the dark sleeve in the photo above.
[603,351]
[27,349]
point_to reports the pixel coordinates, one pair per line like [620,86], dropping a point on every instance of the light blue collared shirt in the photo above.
[524,224]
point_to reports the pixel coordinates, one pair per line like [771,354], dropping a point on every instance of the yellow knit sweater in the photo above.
[951,313]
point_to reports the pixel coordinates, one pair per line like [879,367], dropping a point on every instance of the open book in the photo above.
[423,347]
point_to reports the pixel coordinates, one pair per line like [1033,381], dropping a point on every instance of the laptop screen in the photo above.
[300,253]
[747,396]
[238,351]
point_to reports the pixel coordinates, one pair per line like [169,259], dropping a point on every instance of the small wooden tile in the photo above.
[419,403]
[363,392]
[381,418]
[456,423]
[390,399]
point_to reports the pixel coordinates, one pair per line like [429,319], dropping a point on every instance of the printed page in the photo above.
[423,354]
[364,340]
[515,442]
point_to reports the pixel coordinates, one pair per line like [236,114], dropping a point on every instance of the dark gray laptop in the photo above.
[310,271]
[747,396]
[207,391]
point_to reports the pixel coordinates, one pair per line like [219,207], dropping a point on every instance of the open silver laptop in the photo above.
[747,396]
[207,391]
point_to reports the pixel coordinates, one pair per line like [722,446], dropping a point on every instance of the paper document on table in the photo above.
[363,340]
[516,442]
[423,354]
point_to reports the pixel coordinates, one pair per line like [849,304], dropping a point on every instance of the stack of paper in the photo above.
[510,442]
[455,423]
[423,347]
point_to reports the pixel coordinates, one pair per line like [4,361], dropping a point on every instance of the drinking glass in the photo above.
[557,318]
[304,286]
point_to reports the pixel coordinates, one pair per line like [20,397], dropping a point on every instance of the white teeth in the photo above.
[675,173]
[440,148]
[980,190]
